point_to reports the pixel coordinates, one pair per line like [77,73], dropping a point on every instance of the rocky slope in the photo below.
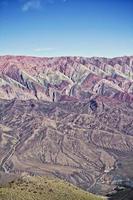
[92,149]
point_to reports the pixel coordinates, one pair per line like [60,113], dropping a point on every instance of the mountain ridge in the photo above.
[52,78]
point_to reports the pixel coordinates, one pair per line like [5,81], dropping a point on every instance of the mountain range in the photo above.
[69,118]
[66,78]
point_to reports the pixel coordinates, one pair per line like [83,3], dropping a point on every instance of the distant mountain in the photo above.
[57,79]
[68,117]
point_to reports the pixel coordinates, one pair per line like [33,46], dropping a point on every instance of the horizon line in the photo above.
[72,56]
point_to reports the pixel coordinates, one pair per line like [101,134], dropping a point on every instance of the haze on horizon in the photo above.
[66,27]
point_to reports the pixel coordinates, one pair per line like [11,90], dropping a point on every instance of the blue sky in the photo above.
[66,27]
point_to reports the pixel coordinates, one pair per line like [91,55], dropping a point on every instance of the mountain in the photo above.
[66,78]
[69,118]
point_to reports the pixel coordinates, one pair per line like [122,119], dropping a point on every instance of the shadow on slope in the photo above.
[122,194]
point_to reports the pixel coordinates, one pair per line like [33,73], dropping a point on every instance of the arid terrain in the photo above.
[68,117]
[66,78]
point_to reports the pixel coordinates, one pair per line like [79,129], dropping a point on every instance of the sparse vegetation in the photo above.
[40,188]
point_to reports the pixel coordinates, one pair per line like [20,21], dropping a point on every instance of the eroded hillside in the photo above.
[91,148]
[57,79]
